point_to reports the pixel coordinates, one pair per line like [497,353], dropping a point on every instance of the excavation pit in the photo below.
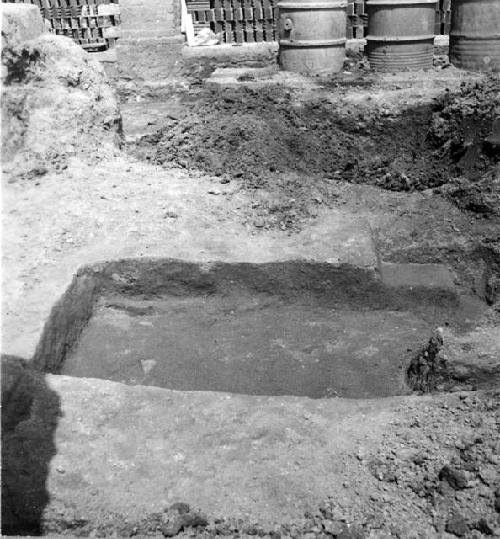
[289,328]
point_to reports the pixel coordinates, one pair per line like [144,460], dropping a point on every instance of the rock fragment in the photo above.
[457,525]
[178,517]
[457,479]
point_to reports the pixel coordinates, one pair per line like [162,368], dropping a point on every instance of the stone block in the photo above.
[150,20]
[21,22]
[152,59]
[417,275]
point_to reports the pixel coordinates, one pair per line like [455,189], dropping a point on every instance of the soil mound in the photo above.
[465,126]
[56,103]
[466,130]
[291,150]
[255,136]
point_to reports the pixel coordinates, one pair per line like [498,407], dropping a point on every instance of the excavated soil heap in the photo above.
[272,141]
[56,102]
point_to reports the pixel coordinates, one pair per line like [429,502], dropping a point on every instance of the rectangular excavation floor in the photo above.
[253,344]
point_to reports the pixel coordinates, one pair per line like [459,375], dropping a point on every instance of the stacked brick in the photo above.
[202,15]
[443,17]
[255,20]
[237,21]
[251,21]
[357,20]
[93,24]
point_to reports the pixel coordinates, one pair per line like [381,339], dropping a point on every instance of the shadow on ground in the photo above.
[30,413]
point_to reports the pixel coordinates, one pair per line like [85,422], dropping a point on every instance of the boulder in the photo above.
[21,22]
[56,103]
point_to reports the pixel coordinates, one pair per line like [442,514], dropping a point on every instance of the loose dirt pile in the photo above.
[291,149]
[451,478]
[466,130]
[463,123]
[56,103]
[272,140]
[453,473]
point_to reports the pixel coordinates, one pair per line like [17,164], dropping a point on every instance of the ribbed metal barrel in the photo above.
[312,36]
[400,34]
[475,34]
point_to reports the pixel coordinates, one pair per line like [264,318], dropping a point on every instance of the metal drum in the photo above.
[475,34]
[312,36]
[400,34]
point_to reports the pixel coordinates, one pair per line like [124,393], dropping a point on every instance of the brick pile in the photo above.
[93,24]
[249,21]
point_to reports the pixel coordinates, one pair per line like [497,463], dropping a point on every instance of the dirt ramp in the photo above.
[56,102]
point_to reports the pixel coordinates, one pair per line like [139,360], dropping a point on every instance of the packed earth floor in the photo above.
[364,171]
